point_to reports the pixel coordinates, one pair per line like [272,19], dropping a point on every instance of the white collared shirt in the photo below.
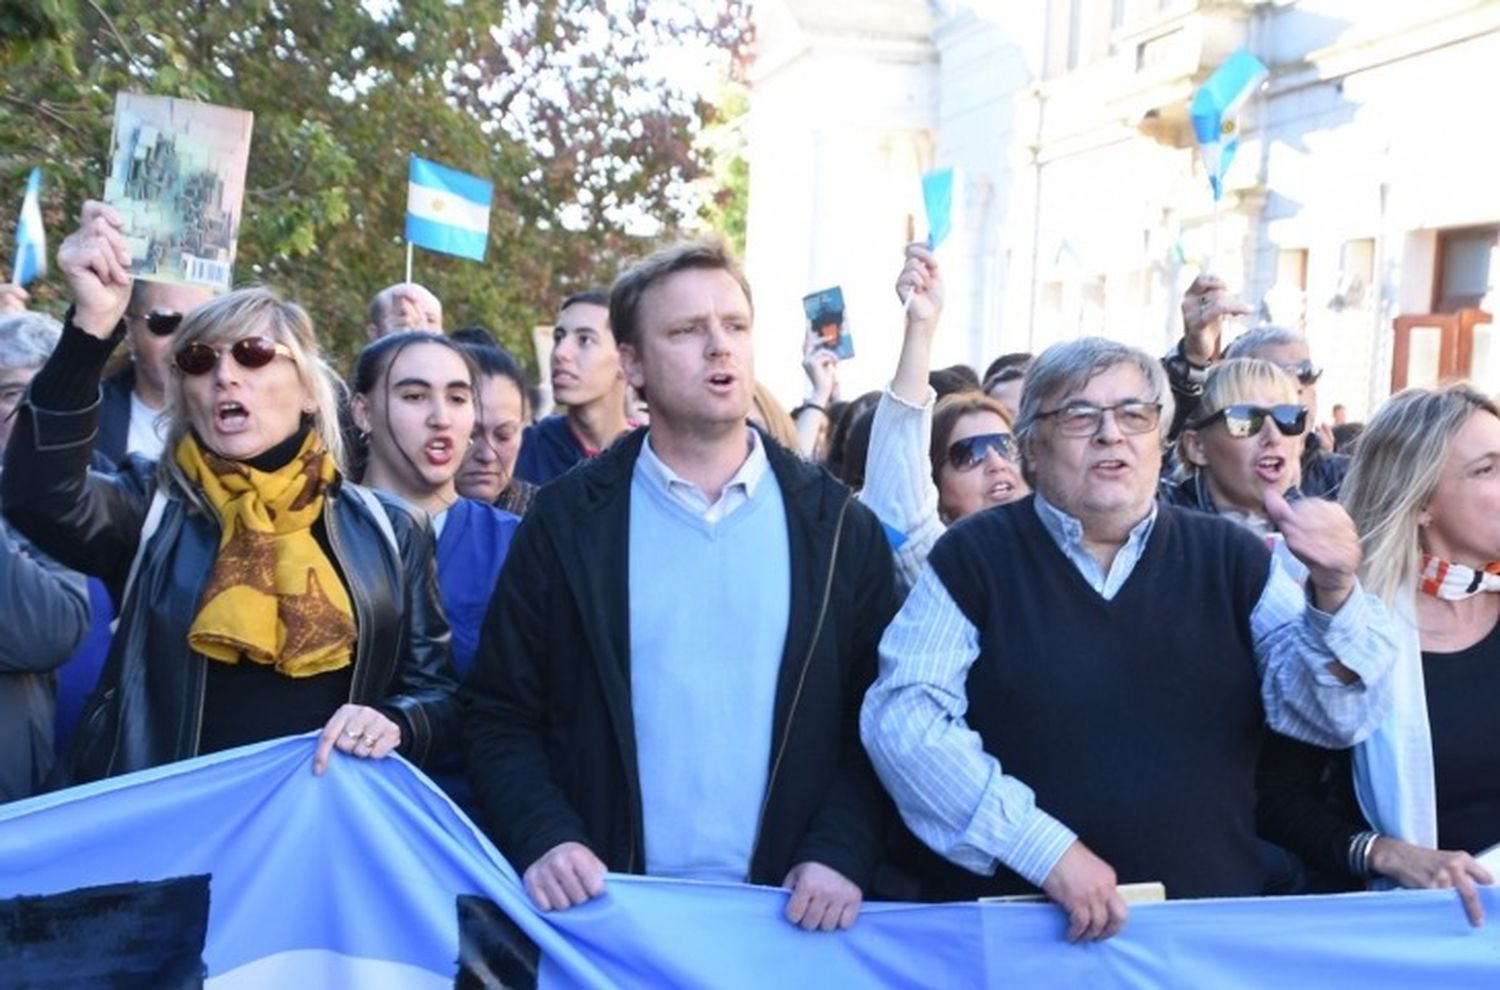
[737,491]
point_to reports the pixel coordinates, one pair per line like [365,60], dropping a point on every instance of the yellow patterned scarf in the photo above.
[273,596]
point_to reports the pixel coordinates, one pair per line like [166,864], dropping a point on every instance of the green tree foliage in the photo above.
[561,104]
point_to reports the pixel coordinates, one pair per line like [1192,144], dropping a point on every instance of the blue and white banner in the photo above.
[1215,113]
[244,870]
[31,237]
[447,210]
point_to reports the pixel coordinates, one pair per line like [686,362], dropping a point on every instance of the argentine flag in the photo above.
[447,210]
[1215,111]
[241,870]
[31,238]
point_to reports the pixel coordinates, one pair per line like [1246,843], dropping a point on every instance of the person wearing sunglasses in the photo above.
[260,593]
[932,462]
[130,417]
[1414,804]
[1205,307]
[1046,714]
[1246,438]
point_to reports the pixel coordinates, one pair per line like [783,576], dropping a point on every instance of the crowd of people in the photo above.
[1095,617]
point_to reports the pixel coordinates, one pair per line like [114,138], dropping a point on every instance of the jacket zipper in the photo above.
[812,645]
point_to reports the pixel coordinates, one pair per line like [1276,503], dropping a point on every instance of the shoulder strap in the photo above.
[148,530]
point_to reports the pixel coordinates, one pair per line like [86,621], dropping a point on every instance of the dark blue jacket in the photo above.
[548,448]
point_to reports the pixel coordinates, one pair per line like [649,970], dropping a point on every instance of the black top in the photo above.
[1138,720]
[1462,691]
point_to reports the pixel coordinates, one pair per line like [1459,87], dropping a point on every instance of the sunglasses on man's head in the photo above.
[1245,420]
[970,451]
[161,322]
[1305,372]
[248,352]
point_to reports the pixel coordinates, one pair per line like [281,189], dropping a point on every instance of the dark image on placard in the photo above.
[825,311]
[493,952]
[116,935]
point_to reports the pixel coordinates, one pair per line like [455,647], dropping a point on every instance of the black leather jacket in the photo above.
[147,707]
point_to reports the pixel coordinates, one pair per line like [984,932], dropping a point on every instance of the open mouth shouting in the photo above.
[439,451]
[231,417]
[1270,468]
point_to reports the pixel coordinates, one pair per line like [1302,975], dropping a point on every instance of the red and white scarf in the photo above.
[1455,582]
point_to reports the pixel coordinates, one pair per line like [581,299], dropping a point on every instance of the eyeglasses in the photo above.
[1082,419]
[1305,372]
[1244,420]
[970,452]
[161,322]
[248,352]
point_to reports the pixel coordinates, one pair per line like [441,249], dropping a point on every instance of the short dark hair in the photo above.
[625,295]
[1015,359]
[589,297]
[494,361]
[955,378]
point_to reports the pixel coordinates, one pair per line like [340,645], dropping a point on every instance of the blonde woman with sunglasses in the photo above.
[260,594]
[1245,439]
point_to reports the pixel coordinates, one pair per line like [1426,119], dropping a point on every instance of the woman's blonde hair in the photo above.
[249,312]
[1233,381]
[773,417]
[1397,465]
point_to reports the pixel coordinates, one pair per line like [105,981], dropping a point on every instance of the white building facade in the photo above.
[1363,189]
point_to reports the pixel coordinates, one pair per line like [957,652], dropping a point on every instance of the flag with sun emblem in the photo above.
[447,210]
[1215,113]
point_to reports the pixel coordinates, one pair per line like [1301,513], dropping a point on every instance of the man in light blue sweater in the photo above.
[668,680]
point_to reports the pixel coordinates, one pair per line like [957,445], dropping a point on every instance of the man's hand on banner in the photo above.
[359,731]
[567,875]
[1084,886]
[1415,866]
[822,898]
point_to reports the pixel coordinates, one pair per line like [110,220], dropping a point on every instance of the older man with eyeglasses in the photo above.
[1076,690]
[132,398]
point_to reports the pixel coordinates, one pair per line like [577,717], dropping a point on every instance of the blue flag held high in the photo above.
[31,237]
[447,210]
[1215,113]
[937,198]
[242,870]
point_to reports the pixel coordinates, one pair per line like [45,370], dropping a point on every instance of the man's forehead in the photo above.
[178,298]
[1122,380]
[697,292]
[583,316]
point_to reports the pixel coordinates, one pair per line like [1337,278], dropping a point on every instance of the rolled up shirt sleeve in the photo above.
[1295,642]
[952,794]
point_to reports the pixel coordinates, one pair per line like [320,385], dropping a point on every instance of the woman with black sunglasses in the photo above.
[1244,439]
[932,463]
[260,594]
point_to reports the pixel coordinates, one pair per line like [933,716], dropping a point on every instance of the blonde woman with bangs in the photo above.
[1244,440]
[260,594]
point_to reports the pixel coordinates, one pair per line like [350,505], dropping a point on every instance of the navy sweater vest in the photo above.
[1137,721]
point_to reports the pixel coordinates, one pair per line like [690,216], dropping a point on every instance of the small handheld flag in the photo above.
[937,198]
[447,210]
[31,238]
[1215,110]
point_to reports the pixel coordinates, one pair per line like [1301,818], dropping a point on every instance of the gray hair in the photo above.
[1252,343]
[1067,367]
[27,339]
